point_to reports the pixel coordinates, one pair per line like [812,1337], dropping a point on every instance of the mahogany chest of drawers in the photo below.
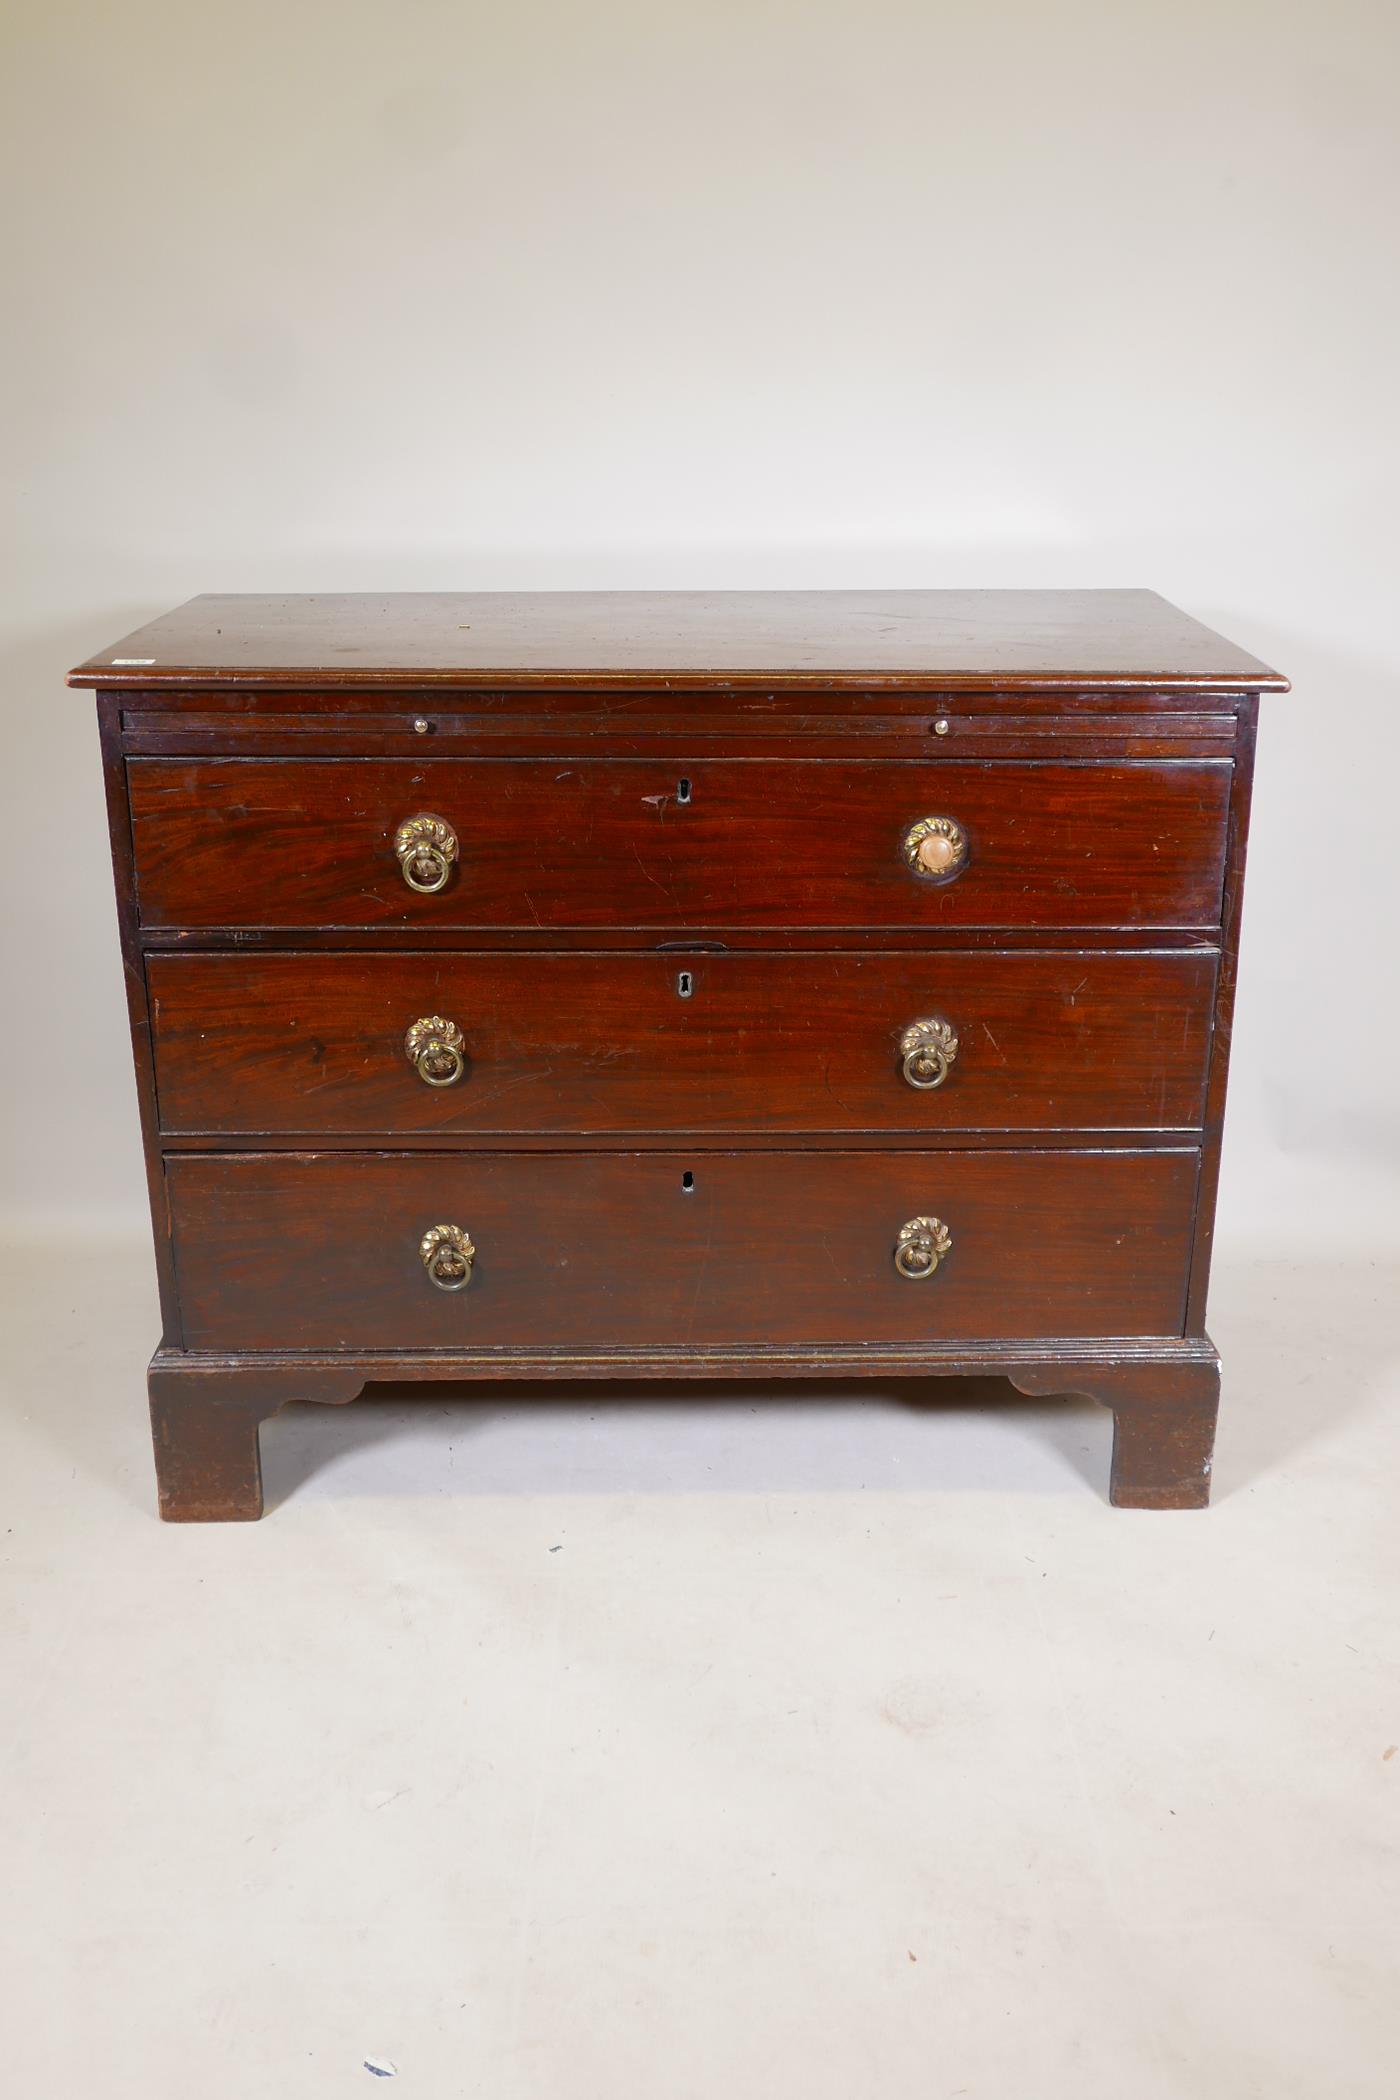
[637,985]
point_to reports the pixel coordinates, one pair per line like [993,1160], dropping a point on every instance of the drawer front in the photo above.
[636,843]
[317,1045]
[605,1250]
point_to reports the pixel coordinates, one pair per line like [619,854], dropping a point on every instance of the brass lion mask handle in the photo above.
[447,1253]
[436,1050]
[927,1050]
[426,847]
[922,1244]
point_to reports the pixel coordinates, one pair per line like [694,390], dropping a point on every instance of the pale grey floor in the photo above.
[815,1746]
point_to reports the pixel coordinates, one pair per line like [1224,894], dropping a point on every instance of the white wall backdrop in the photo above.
[435,293]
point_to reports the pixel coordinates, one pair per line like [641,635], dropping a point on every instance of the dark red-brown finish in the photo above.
[304,1045]
[306,1251]
[1163,1424]
[706,640]
[660,792]
[758,843]
[204,1426]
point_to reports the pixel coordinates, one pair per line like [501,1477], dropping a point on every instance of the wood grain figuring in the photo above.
[758,843]
[954,639]
[313,1044]
[287,1251]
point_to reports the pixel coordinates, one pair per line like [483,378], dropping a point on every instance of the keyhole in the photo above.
[685,984]
[687,1183]
[682,791]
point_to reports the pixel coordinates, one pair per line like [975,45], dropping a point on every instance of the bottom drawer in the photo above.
[595,1249]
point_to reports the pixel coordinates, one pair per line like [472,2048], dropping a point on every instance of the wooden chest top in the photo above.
[1116,640]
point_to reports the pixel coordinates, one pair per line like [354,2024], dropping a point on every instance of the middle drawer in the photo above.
[320,1045]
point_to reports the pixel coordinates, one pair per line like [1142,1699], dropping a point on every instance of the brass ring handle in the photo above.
[922,1244]
[426,848]
[436,1050]
[936,848]
[927,1050]
[447,1254]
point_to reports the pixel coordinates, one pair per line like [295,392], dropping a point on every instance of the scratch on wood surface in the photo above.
[663,887]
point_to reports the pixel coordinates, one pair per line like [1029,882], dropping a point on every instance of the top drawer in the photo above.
[744,843]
